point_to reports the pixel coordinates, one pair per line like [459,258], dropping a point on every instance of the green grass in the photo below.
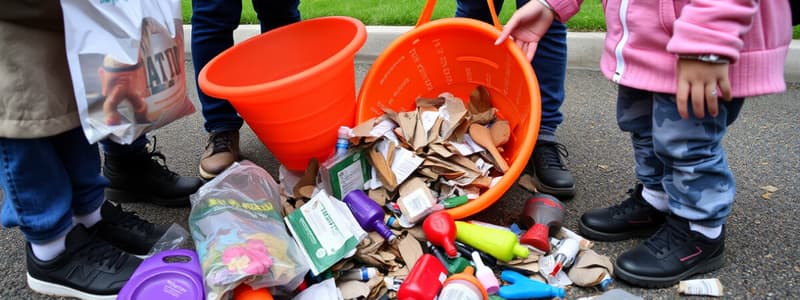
[406,12]
[382,12]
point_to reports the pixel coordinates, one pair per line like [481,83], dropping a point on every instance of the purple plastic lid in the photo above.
[171,274]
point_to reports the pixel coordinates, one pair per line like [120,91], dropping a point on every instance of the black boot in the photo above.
[144,177]
[674,253]
[550,175]
[633,217]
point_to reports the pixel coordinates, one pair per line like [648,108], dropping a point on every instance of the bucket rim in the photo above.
[227,92]
[526,147]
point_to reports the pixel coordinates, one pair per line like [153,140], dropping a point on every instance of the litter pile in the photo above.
[372,221]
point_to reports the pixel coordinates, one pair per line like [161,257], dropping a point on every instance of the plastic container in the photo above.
[501,244]
[424,281]
[171,274]
[463,286]
[455,55]
[294,86]
[245,292]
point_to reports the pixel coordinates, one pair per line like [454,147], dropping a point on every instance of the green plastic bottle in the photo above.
[502,244]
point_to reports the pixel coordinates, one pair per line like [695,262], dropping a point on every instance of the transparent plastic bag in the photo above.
[239,233]
[176,237]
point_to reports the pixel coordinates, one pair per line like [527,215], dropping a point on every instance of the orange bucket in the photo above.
[294,86]
[455,55]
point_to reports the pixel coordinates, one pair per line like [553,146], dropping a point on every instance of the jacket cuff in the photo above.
[565,9]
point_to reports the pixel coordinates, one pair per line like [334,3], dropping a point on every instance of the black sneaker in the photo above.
[89,268]
[634,217]
[674,253]
[126,231]
[550,175]
[144,177]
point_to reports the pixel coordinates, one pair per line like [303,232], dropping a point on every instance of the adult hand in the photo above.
[527,26]
[698,81]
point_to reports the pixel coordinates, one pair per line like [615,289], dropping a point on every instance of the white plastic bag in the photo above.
[126,60]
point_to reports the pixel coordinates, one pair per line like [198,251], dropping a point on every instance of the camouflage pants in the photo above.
[682,157]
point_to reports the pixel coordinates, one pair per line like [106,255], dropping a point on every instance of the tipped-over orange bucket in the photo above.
[456,55]
[294,86]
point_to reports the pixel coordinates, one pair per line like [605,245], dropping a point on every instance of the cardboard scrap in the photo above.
[701,287]
[354,289]
[453,114]
[480,106]
[526,182]
[590,268]
[410,250]
[381,166]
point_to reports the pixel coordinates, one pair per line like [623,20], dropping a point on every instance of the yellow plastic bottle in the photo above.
[502,244]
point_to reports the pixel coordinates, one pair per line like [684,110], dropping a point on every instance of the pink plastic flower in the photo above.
[250,258]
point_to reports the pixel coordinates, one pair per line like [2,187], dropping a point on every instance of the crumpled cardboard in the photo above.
[371,130]
[454,116]
[480,106]
[590,268]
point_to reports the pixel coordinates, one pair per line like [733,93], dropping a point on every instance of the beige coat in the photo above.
[36,95]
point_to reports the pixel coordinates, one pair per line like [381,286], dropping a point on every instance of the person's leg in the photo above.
[477,9]
[121,229]
[38,193]
[273,14]
[549,171]
[41,197]
[139,175]
[213,22]
[701,189]
[634,216]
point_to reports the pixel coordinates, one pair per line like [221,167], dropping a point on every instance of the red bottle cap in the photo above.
[537,236]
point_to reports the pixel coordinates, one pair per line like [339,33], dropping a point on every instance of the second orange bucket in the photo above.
[456,55]
[294,86]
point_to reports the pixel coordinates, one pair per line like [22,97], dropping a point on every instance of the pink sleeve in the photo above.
[565,9]
[713,27]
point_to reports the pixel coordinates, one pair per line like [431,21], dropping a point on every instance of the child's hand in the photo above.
[527,26]
[700,80]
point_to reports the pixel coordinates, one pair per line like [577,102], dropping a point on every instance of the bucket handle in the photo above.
[427,12]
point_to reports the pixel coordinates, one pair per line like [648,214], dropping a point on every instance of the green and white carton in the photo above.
[326,231]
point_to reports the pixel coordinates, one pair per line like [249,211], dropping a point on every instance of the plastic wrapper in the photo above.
[126,60]
[239,234]
[176,237]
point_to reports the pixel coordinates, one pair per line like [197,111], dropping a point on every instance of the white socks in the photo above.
[657,199]
[51,249]
[709,232]
[660,201]
[88,220]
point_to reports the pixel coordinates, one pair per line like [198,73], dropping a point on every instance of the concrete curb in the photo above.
[584,48]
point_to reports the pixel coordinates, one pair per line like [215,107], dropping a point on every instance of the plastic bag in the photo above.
[176,237]
[126,60]
[239,233]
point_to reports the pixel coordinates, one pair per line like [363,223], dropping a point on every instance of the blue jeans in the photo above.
[48,180]
[213,22]
[549,63]
[682,157]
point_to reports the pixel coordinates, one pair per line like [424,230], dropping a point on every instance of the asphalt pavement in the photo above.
[763,147]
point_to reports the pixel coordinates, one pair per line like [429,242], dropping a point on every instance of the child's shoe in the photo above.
[633,217]
[126,231]
[89,268]
[674,253]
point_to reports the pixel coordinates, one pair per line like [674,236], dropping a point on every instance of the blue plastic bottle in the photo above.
[342,142]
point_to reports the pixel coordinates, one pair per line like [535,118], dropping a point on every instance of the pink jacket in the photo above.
[645,36]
